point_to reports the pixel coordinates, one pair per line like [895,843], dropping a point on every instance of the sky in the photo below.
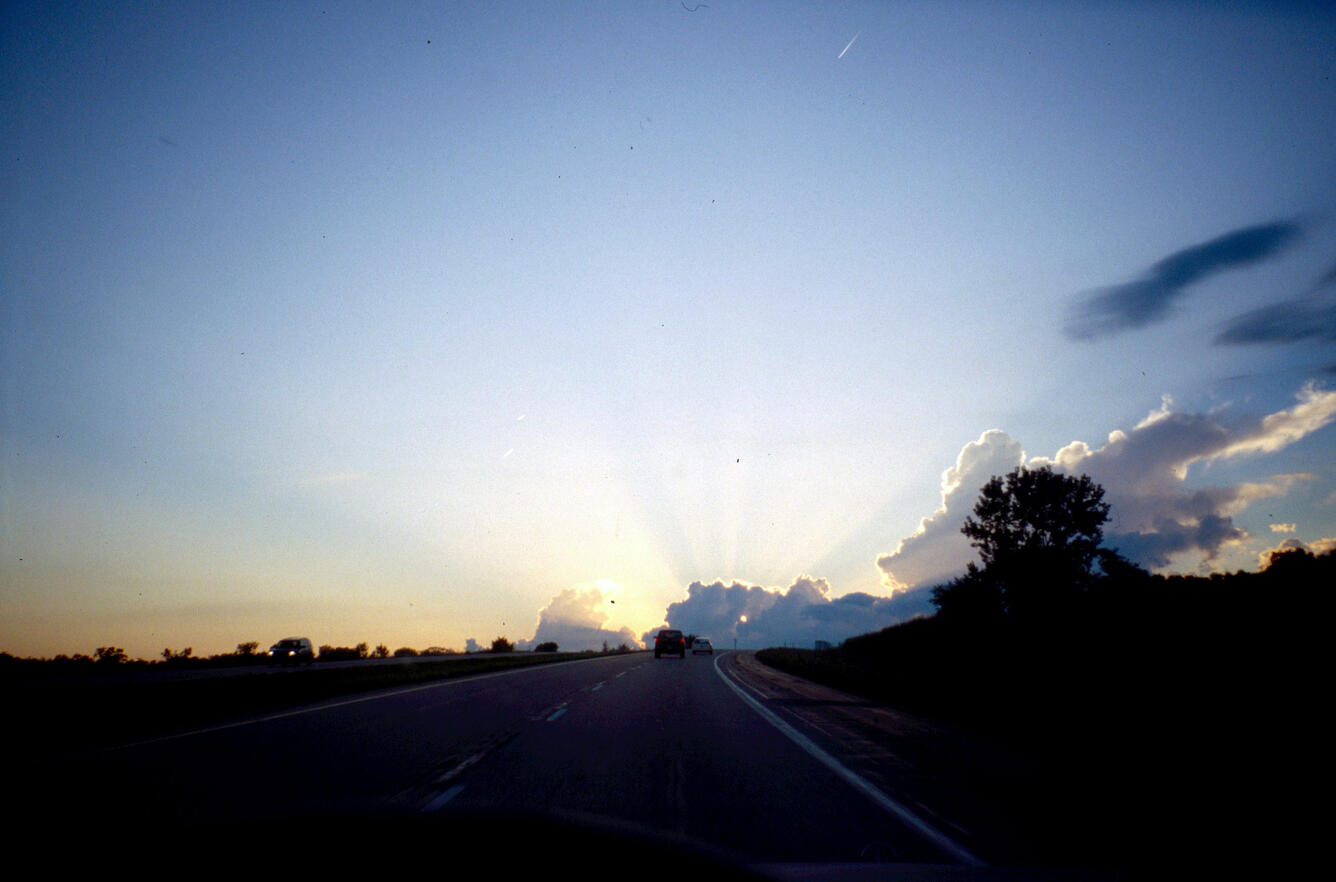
[431,323]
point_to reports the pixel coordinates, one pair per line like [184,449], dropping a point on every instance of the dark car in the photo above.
[670,642]
[291,651]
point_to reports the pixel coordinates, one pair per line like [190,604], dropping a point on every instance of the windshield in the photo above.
[443,330]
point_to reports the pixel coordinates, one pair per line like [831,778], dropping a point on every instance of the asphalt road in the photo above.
[666,745]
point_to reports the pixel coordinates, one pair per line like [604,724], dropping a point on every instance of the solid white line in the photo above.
[922,827]
[443,798]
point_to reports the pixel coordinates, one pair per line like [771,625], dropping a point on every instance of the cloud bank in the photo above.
[1154,513]
[797,616]
[576,619]
[937,550]
[1148,300]
[1317,546]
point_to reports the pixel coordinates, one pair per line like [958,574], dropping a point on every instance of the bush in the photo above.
[406,652]
[342,653]
[501,644]
[549,646]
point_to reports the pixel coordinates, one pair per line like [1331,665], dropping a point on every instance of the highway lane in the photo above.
[665,744]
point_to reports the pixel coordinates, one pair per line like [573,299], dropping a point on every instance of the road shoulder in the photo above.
[984,794]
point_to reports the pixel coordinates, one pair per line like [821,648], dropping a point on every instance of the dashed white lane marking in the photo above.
[597,686]
[920,826]
[443,798]
[377,696]
[559,712]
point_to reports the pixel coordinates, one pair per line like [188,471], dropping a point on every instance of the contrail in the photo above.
[846,48]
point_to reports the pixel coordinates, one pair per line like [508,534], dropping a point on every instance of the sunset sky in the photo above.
[406,323]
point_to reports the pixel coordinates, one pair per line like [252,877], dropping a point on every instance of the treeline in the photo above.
[1150,704]
[114,658]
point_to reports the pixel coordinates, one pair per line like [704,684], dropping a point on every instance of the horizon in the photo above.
[434,325]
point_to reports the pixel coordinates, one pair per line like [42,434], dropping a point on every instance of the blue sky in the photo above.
[410,322]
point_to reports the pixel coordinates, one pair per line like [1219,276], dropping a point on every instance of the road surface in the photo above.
[667,745]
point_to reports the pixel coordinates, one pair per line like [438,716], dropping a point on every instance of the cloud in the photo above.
[1317,546]
[575,619]
[1144,472]
[1148,300]
[1283,528]
[797,616]
[1154,513]
[1302,318]
[937,550]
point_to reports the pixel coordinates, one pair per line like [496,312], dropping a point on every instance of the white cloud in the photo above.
[575,619]
[937,550]
[1154,514]
[1317,546]
[1283,528]
[1316,408]
[797,616]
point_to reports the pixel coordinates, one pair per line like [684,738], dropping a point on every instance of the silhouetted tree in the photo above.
[1038,534]
[110,655]
[973,600]
[382,651]
[501,644]
[250,647]
[549,646]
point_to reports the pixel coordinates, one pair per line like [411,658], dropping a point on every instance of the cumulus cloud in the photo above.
[1283,528]
[937,550]
[799,615]
[1318,546]
[1154,514]
[576,618]
[1144,472]
[1148,299]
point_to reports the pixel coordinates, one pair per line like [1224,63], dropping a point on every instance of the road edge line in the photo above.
[920,826]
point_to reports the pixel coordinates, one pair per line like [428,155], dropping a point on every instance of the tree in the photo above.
[250,647]
[1038,534]
[110,655]
[501,644]
[973,600]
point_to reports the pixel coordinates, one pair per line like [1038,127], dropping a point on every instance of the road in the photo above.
[668,745]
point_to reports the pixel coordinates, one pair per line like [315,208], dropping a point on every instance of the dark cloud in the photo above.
[1312,317]
[798,616]
[1147,300]
[1165,537]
